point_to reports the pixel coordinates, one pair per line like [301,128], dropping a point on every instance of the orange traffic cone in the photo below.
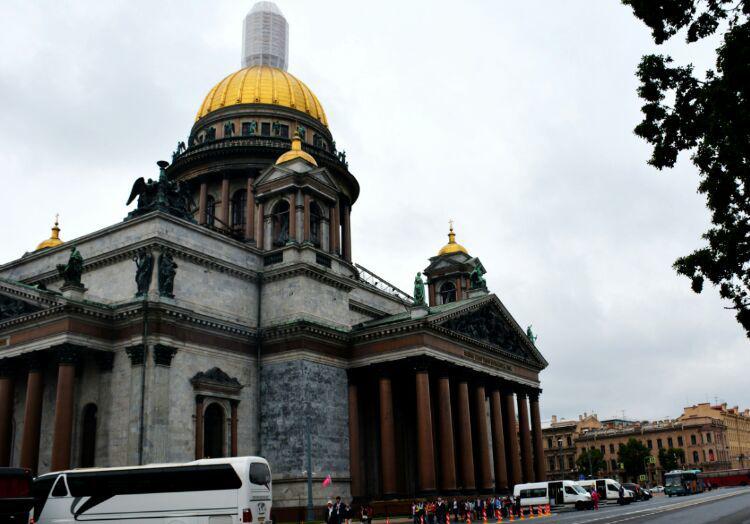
[522,515]
[549,510]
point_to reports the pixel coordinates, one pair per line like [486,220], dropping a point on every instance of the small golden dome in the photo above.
[262,84]
[296,152]
[452,247]
[53,240]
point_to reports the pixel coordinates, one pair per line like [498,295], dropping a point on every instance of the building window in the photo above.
[210,210]
[611,448]
[239,208]
[696,457]
[265,129]
[281,130]
[603,449]
[613,463]
[650,444]
[670,442]
[552,464]
[248,128]
[659,443]
[570,441]
[708,437]
[280,223]
[213,431]
[571,462]
[88,436]
[680,442]
[315,219]
[692,440]
[711,456]
[549,443]
[447,293]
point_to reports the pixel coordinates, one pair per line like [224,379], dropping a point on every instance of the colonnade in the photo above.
[65,360]
[460,451]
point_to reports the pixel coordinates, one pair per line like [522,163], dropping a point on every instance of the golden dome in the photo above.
[452,247]
[53,240]
[262,84]
[296,152]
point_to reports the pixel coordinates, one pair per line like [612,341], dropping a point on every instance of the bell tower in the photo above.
[453,274]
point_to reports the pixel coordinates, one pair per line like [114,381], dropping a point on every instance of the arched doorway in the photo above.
[88,436]
[213,431]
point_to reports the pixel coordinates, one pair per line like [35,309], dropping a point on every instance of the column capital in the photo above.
[233,402]
[105,360]
[199,399]
[534,394]
[7,367]
[163,354]
[136,354]
[67,354]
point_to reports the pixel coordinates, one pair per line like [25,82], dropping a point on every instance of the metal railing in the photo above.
[371,279]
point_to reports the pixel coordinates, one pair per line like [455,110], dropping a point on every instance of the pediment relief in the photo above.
[11,307]
[489,325]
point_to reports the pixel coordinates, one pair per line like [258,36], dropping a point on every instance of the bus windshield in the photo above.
[673,480]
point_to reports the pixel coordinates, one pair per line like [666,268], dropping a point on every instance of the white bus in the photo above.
[207,491]
[554,493]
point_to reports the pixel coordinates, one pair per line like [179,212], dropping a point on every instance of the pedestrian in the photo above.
[595,499]
[364,514]
[348,514]
[621,495]
[518,506]
[441,511]
[455,510]
[330,518]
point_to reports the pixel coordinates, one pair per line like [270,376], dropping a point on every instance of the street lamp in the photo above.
[560,458]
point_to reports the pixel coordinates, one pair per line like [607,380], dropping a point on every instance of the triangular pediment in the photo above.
[17,300]
[488,323]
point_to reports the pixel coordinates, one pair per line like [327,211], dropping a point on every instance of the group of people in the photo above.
[441,510]
[341,513]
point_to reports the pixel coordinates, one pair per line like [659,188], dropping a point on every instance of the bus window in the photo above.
[60,490]
[260,474]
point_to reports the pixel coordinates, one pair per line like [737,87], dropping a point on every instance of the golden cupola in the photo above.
[452,246]
[53,240]
[296,152]
[263,84]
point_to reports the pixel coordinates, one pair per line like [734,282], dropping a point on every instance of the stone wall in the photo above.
[299,396]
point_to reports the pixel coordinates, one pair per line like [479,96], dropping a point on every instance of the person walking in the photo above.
[330,517]
[621,495]
[441,511]
[595,498]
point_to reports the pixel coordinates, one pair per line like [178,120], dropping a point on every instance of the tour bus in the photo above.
[683,482]
[554,493]
[608,489]
[206,491]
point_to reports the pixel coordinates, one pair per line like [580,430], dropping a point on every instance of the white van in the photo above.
[213,491]
[554,493]
[608,489]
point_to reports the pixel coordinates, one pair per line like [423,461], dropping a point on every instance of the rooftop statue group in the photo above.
[163,195]
[166,271]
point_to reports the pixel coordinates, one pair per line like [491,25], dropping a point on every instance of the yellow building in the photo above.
[737,428]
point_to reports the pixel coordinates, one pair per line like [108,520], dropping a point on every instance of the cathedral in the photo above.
[226,315]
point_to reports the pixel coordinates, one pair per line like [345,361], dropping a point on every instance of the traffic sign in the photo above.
[642,478]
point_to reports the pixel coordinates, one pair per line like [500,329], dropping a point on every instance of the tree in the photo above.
[671,458]
[633,457]
[710,118]
[596,465]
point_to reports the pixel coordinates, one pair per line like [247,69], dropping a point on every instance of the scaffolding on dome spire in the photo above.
[265,37]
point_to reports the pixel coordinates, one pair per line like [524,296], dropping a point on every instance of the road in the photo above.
[728,505]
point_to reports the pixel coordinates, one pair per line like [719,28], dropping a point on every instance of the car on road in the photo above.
[639,492]
[656,489]
[16,499]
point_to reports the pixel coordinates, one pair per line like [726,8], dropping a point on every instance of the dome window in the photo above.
[239,209]
[265,129]
[280,223]
[210,211]
[281,130]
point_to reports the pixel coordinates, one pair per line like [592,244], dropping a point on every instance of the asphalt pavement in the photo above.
[727,505]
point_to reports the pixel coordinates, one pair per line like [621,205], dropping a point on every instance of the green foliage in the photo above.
[709,118]
[633,456]
[671,458]
[597,462]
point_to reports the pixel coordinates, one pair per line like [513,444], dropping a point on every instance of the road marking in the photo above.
[663,509]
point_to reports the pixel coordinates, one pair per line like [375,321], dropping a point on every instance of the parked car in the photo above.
[647,493]
[554,493]
[16,499]
[657,489]
[640,493]
[608,489]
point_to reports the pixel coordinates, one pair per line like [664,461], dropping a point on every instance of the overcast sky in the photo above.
[512,118]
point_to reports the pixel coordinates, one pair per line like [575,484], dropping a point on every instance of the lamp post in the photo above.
[560,458]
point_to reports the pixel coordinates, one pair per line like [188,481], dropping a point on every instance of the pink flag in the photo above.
[327,482]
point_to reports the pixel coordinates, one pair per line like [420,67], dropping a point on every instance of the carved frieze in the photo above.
[12,307]
[487,325]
